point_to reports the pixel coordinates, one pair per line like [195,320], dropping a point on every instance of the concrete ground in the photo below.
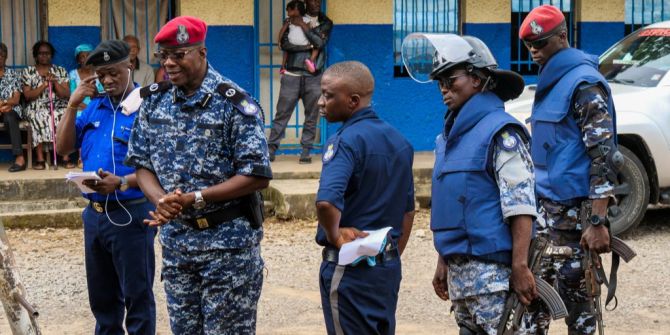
[284,167]
[40,199]
[51,265]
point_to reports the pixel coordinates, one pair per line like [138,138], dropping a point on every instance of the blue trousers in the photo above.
[120,270]
[360,299]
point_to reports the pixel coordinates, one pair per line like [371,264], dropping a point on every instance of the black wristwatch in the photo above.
[597,220]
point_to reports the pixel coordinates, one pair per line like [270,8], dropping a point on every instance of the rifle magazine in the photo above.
[551,298]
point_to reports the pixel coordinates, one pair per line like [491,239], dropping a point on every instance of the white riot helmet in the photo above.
[426,56]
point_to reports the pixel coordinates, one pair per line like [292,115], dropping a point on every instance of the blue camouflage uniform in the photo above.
[367,175]
[212,276]
[483,170]
[578,116]
[119,247]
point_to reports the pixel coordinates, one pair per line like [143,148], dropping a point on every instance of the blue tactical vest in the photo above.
[558,151]
[466,217]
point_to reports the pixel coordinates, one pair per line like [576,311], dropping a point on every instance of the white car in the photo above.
[636,68]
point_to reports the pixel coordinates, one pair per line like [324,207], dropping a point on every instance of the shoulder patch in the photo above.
[241,100]
[331,149]
[155,88]
[509,141]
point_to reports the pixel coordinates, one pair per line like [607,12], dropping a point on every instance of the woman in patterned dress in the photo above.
[10,87]
[36,81]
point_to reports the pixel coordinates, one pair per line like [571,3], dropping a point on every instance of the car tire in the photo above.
[634,204]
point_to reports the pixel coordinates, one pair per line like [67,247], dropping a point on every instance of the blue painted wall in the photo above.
[597,37]
[230,50]
[66,39]
[414,109]
[497,37]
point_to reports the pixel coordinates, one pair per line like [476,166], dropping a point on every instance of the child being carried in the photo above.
[296,35]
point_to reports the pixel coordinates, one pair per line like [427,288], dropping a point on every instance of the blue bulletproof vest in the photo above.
[466,217]
[558,151]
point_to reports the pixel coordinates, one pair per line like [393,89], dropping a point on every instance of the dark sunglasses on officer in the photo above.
[178,55]
[448,82]
[540,43]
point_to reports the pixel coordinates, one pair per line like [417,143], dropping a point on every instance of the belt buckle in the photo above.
[202,223]
[98,207]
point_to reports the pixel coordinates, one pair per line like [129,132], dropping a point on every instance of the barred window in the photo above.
[639,13]
[521,60]
[426,16]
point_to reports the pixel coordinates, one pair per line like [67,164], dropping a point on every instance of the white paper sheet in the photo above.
[370,245]
[79,177]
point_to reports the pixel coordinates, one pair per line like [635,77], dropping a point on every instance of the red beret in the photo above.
[182,31]
[540,22]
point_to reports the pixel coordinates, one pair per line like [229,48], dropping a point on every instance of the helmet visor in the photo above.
[426,55]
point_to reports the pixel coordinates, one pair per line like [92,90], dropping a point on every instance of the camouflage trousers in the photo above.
[213,292]
[478,291]
[560,224]
[480,311]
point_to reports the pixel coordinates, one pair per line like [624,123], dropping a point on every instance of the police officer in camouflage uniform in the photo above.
[483,201]
[199,147]
[576,159]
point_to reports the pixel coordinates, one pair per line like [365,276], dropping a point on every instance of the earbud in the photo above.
[128,71]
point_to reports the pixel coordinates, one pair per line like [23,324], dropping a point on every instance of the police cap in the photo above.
[108,52]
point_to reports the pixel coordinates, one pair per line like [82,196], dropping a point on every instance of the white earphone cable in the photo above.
[114,110]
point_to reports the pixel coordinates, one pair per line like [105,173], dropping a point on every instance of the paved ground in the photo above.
[51,264]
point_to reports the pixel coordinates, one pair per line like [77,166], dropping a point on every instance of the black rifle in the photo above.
[594,275]
[514,309]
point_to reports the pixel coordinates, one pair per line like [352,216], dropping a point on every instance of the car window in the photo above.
[641,59]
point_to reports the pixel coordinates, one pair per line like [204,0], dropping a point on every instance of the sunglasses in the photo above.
[448,82]
[540,43]
[174,56]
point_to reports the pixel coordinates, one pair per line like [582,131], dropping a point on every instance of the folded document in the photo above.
[365,248]
[79,177]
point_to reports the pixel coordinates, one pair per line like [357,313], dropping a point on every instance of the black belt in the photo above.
[113,204]
[213,219]
[390,253]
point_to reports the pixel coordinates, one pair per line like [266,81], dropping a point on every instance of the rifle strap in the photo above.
[611,286]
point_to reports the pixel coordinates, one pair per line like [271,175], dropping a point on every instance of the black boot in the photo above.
[304,157]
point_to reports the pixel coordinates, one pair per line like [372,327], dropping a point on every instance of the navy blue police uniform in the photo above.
[119,247]
[367,175]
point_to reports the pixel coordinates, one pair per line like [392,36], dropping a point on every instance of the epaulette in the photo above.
[241,100]
[154,88]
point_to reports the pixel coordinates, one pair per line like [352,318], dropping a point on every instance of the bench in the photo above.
[28,145]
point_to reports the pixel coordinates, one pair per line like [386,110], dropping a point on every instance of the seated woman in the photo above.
[10,86]
[45,86]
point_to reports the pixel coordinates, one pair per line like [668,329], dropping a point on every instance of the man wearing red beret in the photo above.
[575,155]
[201,156]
